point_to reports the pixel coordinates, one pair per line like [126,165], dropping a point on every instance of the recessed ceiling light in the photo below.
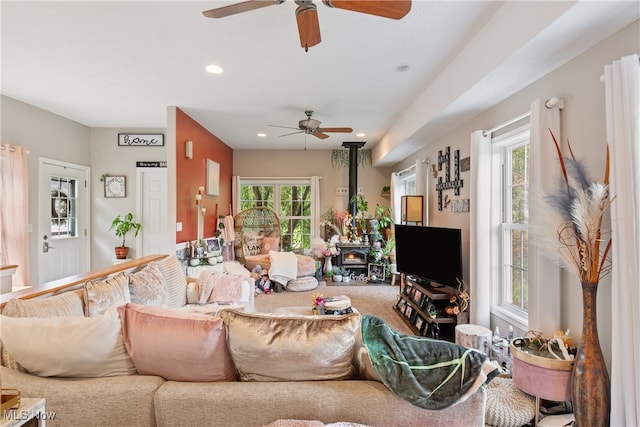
[262,135]
[214,69]
[360,135]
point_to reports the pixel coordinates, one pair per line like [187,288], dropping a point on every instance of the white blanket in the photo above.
[284,267]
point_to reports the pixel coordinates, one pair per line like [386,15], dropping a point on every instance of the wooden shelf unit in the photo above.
[414,302]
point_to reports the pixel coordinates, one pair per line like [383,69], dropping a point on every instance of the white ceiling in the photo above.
[121,63]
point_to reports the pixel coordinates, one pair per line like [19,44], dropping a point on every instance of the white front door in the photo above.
[153,211]
[63,227]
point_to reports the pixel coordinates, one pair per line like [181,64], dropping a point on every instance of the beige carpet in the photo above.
[377,300]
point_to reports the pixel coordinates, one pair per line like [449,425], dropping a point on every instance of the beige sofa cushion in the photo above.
[99,295]
[176,345]
[281,347]
[77,346]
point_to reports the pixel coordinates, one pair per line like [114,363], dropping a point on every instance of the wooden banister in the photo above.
[68,282]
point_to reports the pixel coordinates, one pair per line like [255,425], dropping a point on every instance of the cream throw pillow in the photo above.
[280,347]
[88,347]
[99,295]
[147,286]
[175,280]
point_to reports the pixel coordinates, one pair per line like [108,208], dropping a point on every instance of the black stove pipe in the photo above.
[353,174]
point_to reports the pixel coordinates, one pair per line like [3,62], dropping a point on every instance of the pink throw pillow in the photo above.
[269,244]
[176,345]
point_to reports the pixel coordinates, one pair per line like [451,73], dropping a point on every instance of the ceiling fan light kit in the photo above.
[307,14]
[311,126]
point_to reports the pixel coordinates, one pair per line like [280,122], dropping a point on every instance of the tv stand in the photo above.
[421,305]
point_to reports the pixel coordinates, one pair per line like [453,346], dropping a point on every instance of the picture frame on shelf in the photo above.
[417,297]
[213,245]
[376,270]
[419,323]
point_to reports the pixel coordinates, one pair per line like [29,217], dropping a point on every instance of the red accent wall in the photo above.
[192,173]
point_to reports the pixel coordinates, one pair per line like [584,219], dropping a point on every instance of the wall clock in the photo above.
[115,186]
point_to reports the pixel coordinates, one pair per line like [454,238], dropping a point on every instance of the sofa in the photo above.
[268,367]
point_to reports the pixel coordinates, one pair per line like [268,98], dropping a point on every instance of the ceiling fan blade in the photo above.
[318,134]
[292,133]
[346,130]
[308,26]
[284,127]
[396,9]
[244,6]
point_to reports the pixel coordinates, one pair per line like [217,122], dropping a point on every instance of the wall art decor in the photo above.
[140,139]
[115,186]
[213,178]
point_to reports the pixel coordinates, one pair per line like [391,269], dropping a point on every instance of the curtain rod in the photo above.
[410,168]
[552,102]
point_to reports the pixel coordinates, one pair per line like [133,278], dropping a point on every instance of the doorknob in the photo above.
[45,245]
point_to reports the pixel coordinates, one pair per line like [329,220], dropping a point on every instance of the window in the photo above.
[292,202]
[64,202]
[510,204]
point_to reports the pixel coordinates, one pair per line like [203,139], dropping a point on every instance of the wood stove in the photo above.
[353,257]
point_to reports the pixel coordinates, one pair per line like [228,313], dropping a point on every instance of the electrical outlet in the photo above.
[342,191]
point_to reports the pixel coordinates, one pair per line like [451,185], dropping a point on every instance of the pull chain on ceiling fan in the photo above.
[307,14]
[311,126]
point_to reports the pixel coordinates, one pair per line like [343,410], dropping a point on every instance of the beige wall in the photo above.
[583,124]
[45,135]
[109,158]
[262,163]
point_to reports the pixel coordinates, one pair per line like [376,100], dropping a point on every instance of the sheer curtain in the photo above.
[544,273]
[14,218]
[622,97]
[480,230]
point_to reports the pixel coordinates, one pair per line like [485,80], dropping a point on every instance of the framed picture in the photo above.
[376,270]
[140,139]
[213,245]
[213,178]
[417,297]
[419,323]
[115,186]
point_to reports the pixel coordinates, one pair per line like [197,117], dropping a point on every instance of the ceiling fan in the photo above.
[311,126]
[307,15]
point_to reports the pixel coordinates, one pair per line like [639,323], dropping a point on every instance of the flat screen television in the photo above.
[429,253]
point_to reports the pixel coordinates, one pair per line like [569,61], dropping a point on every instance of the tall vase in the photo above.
[590,386]
[327,264]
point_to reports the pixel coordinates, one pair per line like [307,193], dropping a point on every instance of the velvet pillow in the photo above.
[269,244]
[431,374]
[176,345]
[68,346]
[281,347]
[99,295]
[147,286]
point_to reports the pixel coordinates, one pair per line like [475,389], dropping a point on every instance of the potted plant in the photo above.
[122,226]
[337,274]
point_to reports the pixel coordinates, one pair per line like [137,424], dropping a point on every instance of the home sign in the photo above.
[140,139]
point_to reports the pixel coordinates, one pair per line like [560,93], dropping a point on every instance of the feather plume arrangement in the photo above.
[578,206]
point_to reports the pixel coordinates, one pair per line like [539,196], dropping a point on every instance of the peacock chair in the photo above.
[257,231]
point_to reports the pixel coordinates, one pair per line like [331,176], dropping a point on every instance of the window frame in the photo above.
[277,184]
[501,145]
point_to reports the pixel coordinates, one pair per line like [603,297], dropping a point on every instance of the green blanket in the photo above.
[431,374]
